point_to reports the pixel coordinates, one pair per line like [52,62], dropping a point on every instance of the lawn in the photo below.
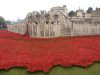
[93,69]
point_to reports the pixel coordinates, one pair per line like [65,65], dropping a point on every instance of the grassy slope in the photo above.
[94,69]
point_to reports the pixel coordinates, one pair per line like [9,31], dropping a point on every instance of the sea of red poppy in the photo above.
[41,53]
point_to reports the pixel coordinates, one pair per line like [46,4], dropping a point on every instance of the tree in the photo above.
[2,22]
[90,9]
[72,13]
[8,22]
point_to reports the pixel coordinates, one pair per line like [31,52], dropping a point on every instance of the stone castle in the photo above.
[57,23]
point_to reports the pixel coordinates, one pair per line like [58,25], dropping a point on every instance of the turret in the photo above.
[65,10]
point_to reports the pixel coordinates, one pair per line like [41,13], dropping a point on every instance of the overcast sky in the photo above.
[12,9]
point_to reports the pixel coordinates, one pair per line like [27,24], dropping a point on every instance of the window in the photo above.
[36,23]
[56,16]
[46,22]
[90,22]
[58,22]
[37,16]
[58,12]
[52,22]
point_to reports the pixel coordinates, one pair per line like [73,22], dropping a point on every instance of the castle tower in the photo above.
[65,10]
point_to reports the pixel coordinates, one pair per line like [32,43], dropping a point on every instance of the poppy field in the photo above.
[43,53]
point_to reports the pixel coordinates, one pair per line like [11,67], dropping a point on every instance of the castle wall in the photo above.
[85,29]
[46,30]
[17,28]
[49,31]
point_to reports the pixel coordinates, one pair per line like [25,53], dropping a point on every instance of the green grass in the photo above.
[93,69]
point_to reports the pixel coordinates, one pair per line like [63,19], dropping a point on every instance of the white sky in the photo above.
[12,9]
